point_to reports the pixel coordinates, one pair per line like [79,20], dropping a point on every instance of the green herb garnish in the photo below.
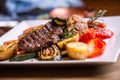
[67,34]
[100,13]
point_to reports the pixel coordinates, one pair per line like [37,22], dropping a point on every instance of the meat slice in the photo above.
[40,37]
[76,24]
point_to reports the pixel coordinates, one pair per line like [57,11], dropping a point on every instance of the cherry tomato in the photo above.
[96,33]
[87,36]
[103,33]
[95,47]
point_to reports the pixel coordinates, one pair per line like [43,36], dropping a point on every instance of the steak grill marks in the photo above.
[40,38]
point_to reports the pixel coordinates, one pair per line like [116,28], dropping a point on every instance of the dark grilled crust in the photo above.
[40,38]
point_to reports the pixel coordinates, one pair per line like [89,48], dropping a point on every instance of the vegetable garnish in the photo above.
[95,47]
[50,53]
[87,36]
[91,20]
[96,29]
[103,33]
[23,57]
[67,34]
[92,33]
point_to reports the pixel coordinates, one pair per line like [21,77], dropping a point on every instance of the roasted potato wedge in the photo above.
[77,50]
[7,51]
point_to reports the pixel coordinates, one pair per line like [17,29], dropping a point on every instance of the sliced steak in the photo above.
[40,37]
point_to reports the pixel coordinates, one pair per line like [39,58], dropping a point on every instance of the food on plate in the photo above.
[62,43]
[77,50]
[7,50]
[50,53]
[96,47]
[92,19]
[96,29]
[76,24]
[103,33]
[59,21]
[59,38]
[40,37]
[87,36]
[22,57]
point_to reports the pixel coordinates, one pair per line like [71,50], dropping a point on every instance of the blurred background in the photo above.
[14,11]
[44,9]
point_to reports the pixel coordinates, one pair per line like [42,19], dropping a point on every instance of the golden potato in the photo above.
[77,50]
[7,51]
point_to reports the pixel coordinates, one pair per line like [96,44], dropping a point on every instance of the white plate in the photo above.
[110,54]
[8,23]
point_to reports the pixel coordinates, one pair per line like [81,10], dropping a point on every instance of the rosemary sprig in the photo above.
[100,13]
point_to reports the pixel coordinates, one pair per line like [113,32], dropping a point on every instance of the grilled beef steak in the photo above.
[40,37]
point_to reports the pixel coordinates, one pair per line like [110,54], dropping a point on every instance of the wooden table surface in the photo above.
[99,72]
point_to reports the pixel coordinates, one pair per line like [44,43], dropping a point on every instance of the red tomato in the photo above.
[87,36]
[96,33]
[101,25]
[103,33]
[100,31]
[95,47]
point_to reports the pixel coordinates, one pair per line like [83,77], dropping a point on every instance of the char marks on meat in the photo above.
[40,37]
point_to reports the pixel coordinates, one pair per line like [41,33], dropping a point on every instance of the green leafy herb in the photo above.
[67,34]
[100,13]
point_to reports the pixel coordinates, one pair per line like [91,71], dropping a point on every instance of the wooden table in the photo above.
[99,72]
